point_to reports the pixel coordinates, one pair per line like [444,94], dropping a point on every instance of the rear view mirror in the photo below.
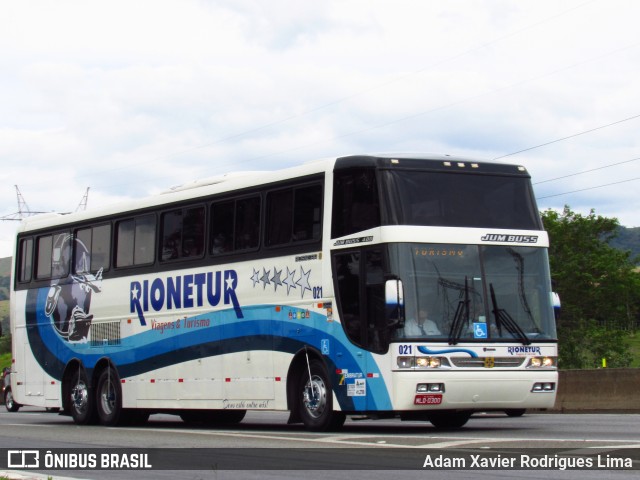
[555,301]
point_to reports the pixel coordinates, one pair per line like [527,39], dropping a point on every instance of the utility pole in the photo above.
[83,203]
[23,208]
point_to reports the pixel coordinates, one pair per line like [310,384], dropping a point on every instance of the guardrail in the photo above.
[603,389]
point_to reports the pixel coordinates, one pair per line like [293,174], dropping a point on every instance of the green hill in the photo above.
[5,267]
[628,239]
[5,277]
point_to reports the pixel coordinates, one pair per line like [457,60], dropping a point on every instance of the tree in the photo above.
[599,289]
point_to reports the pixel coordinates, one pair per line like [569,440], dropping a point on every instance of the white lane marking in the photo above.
[345,439]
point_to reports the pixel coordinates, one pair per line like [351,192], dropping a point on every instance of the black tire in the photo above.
[9,403]
[316,400]
[213,417]
[230,417]
[81,399]
[449,421]
[134,417]
[109,398]
[515,412]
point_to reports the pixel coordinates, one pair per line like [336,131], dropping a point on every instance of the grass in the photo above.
[5,361]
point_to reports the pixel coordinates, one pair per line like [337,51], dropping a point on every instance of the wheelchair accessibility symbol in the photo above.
[479,330]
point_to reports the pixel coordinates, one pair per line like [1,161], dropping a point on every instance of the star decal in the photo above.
[303,281]
[290,281]
[265,278]
[276,278]
[255,278]
[135,293]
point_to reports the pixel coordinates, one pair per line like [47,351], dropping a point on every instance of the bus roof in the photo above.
[243,180]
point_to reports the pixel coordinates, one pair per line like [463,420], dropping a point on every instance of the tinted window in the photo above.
[145,236]
[355,202]
[235,225]
[54,254]
[26,260]
[459,200]
[294,215]
[92,249]
[359,278]
[279,217]
[125,242]
[45,247]
[135,241]
[182,233]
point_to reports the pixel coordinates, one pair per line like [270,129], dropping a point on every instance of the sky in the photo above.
[128,98]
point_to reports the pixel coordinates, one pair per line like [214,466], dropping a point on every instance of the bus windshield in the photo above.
[473,293]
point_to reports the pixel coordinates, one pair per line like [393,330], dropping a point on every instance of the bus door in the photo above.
[360,294]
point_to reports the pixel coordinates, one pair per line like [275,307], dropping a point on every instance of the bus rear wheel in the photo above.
[213,417]
[81,399]
[316,400]
[10,404]
[515,412]
[109,398]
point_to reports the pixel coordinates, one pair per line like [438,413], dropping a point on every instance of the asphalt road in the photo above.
[360,445]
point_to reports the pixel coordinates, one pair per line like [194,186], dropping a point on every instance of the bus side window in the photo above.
[135,240]
[355,203]
[222,214]
[294,215]
[306,213]
[92,248]
[193,232]
[235,225]
[247,227]
[26,260]
[279,217]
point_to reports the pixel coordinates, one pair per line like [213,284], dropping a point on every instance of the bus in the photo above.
[411,286]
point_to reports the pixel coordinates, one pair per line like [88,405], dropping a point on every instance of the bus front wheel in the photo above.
[449,421]
[316,400]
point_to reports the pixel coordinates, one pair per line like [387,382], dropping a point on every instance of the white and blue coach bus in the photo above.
[379,285]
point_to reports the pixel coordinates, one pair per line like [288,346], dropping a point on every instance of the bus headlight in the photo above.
[421,362]
[542,362]
[428,362]
[405,362]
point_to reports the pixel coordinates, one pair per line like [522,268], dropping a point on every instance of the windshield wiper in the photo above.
[503,318]
[462,314]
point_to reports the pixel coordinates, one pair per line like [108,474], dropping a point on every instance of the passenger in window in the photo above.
[219,244]
[421,326]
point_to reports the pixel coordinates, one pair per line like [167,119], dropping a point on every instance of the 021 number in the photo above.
[404,349]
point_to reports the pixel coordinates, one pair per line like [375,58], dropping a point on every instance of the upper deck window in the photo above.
[415,197]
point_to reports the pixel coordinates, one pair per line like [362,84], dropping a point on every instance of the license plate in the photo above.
[428,399]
